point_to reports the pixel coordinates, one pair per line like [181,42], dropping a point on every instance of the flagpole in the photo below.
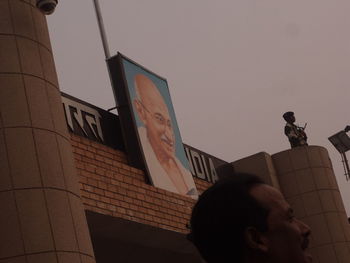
[101,28]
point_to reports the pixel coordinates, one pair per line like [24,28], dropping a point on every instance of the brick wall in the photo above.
[110,186]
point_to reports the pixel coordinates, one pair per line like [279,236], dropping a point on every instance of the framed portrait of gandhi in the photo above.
[150,109]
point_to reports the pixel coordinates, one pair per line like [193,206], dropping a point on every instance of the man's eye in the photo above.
[159,118]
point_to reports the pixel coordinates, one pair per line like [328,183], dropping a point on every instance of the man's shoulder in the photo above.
[290,125]
[287,128]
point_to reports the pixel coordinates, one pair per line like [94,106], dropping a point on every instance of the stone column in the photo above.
[42,217]
[308,182]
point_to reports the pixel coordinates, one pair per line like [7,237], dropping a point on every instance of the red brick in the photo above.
[94,196]
[99,158]
[130,212]
[134,207]
[121,210]
[119,197]
[132,195]
[102,185]
[91,149]
[121,190]
[143,210]
[140,196]
[115,202]
[90,202]
[146,205]
[109,194]
[126,167]
[99,191]
[111,208]
[82,146]
[101,205]
[128,187]
[124,172]
[79,165]
[115,182]
[137,202]
[117,163]
[128,199]
[124,204]
[151,212]
[100,171]
[157,220]
[104,175]
[106,180]
[155,207]
[79,151]
[92,182]
[117,176]
[84,194]
[112,188]
[105,199]
[150,199]
[134,170]
[109,173]
[159,202]
[127,180]
[139,214]
[109,161]
[90,168]
[141,190]
[88,188]
[148,217]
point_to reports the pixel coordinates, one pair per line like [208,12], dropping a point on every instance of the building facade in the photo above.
[69,194]
[115,192]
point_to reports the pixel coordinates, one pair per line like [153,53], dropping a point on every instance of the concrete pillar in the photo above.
[260,164]
[308,182]
[42,217]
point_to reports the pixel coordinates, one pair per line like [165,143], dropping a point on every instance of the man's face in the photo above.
[157,121]
[287,238]
[291,119]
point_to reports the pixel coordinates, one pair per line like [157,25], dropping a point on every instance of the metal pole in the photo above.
[102,29]
[347,167]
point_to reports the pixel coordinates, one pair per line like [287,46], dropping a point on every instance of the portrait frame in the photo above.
[140,150]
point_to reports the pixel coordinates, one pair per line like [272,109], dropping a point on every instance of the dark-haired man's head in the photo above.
[242,219]
[289,117]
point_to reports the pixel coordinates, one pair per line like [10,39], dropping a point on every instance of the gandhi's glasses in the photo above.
[158,117]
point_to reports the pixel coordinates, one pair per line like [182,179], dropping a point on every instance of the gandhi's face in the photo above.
[155,115]
[288,237]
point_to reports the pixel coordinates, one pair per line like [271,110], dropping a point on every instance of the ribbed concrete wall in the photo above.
[260,164]
[41,219]
[308,182]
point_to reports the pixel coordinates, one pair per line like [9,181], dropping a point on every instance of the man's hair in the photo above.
[286,116]
[221,216]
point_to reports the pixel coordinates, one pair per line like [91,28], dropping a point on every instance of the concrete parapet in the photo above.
[260,164]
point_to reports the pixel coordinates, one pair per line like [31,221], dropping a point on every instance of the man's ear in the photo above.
[256,240]
[140,110]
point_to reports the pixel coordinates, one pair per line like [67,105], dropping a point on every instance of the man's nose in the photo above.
[168,131]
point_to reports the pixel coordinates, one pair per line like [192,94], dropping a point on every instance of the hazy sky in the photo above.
[233,67]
